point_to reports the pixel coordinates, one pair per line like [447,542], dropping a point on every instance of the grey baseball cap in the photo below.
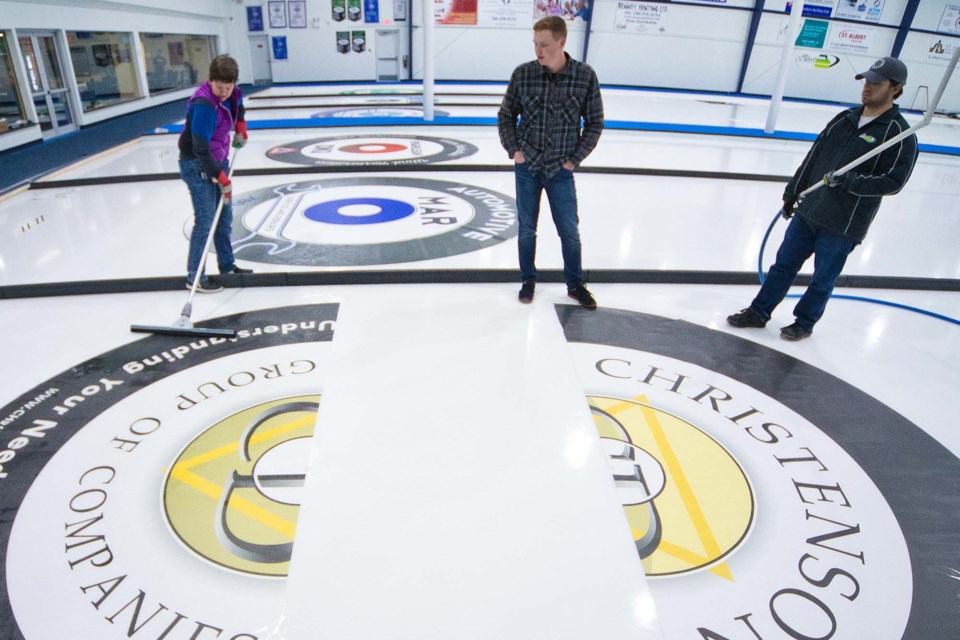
[885,69]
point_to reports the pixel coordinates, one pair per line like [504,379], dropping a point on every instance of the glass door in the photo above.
[46,84]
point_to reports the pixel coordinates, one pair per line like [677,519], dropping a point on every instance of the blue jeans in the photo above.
[205,195]
[562,194]
[802,240]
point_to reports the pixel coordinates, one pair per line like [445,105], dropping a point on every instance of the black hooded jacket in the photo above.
[850,207]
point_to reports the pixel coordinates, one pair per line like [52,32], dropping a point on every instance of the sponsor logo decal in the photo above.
[759,491]
[152,488]
[379,150]
[396,220]
[822,61]
[377,112]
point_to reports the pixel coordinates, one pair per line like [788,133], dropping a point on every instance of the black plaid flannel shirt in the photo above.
[550,107]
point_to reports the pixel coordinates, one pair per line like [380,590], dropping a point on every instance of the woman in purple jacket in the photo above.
[214,110]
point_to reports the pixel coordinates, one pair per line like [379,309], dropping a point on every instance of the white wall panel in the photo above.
[699,48]
[926,70]
[930,13]
[469,53]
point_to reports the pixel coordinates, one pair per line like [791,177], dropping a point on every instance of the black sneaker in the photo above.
[239,271]
[208,286]
[526,291]
[794,332]
[581,295]
[747,318]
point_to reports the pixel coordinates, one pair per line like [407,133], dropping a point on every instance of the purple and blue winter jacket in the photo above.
[206,135]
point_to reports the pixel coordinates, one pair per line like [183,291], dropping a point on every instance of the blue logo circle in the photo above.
[330,212]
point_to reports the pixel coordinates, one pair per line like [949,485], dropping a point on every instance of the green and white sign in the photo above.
[813,34]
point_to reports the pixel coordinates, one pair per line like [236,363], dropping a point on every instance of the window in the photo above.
[11,107]
[104,67]
[176,61]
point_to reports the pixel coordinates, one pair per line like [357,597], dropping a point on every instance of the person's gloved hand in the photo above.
[240,134]
[789,206]
[226,187]
[831,181]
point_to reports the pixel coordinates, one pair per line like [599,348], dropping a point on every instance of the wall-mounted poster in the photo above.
[254,18]
[277,10]
[641,17]
[400,10]
[950,22]
[359,41]
[343,41]
[455,11]
[354,13]
[297,13]
[279,47]
[371,11]
[863,10]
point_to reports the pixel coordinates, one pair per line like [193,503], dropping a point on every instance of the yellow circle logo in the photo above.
[688,502]
[233,494]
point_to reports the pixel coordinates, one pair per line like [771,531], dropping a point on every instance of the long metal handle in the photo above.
[206,245]
[894,140]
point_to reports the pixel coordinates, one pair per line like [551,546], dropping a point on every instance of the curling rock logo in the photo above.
[395,220]
[379,150]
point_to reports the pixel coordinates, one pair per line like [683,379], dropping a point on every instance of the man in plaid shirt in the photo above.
[550,95]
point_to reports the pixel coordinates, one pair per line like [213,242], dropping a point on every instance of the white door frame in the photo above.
[39,86]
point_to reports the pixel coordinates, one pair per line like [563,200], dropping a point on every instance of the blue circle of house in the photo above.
[332,212]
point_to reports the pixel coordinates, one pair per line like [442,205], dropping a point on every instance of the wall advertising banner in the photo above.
[254,18]
[278,14]
[455,11]
[863,10]
[950,22]
[850,38]
[297,10]
[354,13]
[575,11]
[279,47]
[813,34]
[500,13]
[358,41]
[371,11]
[504,13]
[641,17]
[815,8]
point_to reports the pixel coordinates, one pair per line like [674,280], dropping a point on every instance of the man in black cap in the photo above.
[833,220]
